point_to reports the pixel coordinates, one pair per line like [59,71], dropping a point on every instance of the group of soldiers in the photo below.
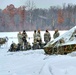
[22,38]
[23,44]
[47,36]
[37,39]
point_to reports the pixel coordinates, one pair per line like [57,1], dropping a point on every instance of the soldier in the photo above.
[19,35]
[35,43]
[34,35]
[47,37]
[24,38]
[39,39]
[56,34]
[13,47]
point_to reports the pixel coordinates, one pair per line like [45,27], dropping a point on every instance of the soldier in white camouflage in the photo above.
[47,37]
[19,36]
[34,36]
[37,39]
[56,33]
[24,38]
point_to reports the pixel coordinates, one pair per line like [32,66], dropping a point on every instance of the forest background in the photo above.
[29,18]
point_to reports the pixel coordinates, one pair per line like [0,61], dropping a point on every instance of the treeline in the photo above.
[18,19]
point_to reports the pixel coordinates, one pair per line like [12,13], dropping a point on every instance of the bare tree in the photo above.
[30,6]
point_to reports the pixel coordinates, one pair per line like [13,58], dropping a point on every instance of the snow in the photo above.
[34,62]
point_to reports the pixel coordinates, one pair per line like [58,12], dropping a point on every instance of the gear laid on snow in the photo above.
[19,47]
[3,40]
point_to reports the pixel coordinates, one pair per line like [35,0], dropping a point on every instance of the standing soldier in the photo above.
[35,43]
[47,37]
[19,35]
[39,39]
[39,36]
[56,33]
[24,38]
[34,36]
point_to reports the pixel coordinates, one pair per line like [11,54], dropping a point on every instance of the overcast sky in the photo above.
[38,3]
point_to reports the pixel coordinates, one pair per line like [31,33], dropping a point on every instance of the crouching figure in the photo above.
[13,47]
[37,45]
[27,46]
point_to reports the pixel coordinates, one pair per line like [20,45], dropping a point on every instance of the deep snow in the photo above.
[34,62]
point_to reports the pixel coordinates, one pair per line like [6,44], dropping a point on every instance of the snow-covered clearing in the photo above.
[34,62]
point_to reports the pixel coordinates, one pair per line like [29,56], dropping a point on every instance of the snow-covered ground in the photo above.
[34,62]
